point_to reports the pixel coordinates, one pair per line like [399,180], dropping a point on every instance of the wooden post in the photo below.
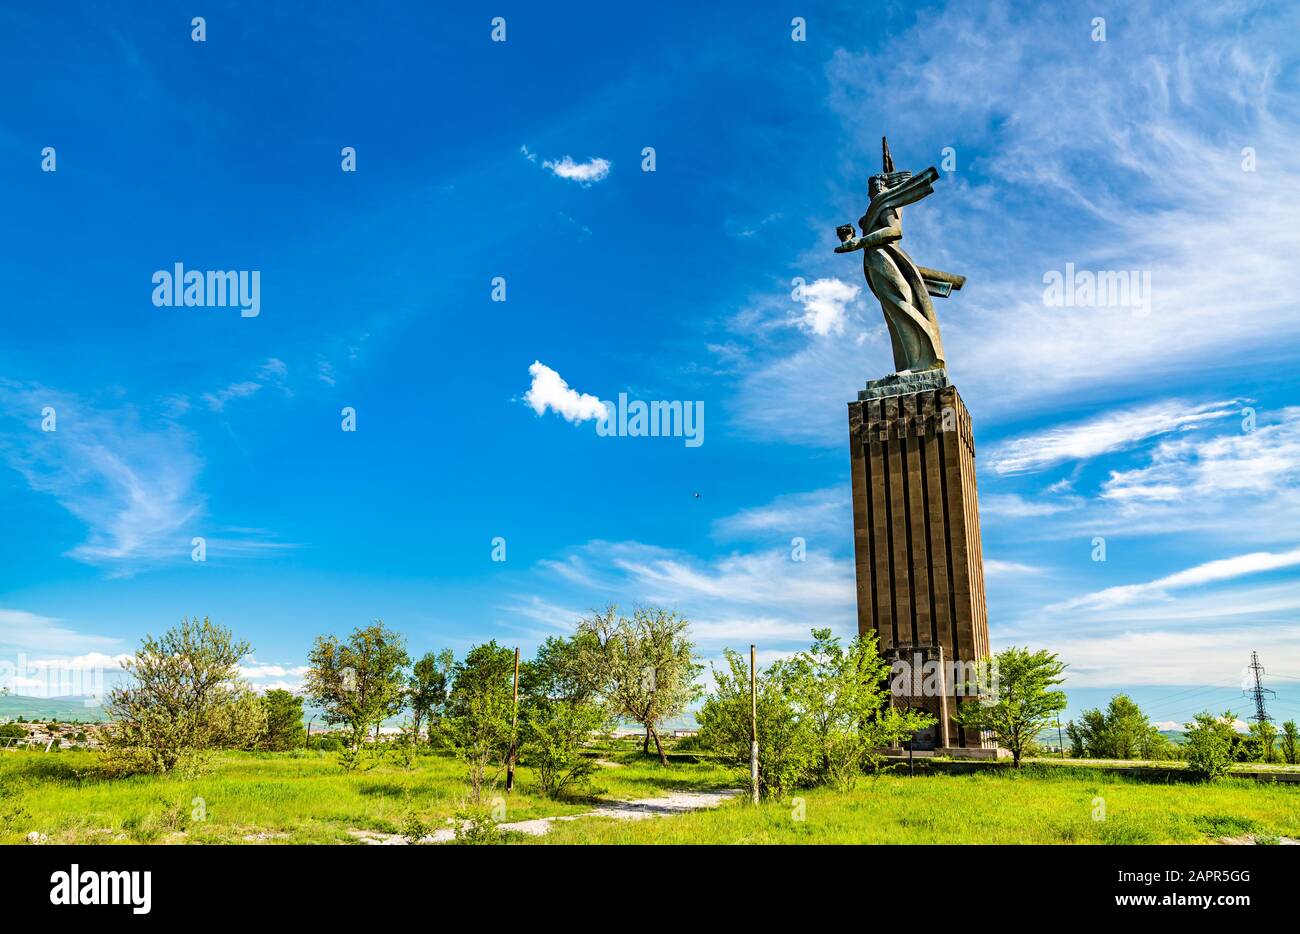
[753,724]
[514,727]
[943,701]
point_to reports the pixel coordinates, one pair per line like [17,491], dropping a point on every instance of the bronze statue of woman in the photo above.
[902,288]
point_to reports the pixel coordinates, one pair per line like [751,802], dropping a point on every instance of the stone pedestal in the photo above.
[920,567]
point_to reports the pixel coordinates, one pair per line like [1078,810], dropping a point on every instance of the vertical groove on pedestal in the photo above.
[906,475]
[889,536]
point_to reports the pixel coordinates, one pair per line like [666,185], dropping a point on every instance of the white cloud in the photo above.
[1103,434]
[1211,657]
[996,568]
[1237,485]
[1210,572]
[272,372]
[1260,462]
[217,400]
[731,600]
[1015,506]
[255,671]
[549,390]
[130,481]
[22,631]
[584,173]
[804,514]
[824,306]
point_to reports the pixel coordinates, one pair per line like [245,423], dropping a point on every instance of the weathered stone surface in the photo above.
[898,384]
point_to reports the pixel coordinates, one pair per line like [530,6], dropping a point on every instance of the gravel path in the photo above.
[666,806]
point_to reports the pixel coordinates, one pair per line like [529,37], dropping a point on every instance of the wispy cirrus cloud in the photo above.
[130,477]
[24,631]
[1210,572]
[132,482]
[826,511]
[762,595]
[1106,433]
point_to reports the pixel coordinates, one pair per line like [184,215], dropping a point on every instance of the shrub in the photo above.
[1209,743]
[554,732]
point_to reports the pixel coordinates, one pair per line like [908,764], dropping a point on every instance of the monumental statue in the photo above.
[902,287]
[919,561]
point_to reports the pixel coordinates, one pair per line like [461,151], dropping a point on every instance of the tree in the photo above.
[1209,742]
[1289,744]
[1122,731]
[1016,701]
[560,710]
[240,724]
[178,700]
[822,715]
[480,713]
[843,695]
[284,729]
[1264,735]
[426,691]
[359,683]
[645,666]
[787,749]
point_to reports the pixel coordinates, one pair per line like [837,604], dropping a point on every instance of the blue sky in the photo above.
[1171,430]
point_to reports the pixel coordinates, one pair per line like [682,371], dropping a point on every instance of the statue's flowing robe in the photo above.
[898,284]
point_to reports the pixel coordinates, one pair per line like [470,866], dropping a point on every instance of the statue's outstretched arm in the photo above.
[877,238]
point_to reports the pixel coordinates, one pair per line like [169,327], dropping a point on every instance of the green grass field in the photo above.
[304,797]
[298,797]
[1036,805]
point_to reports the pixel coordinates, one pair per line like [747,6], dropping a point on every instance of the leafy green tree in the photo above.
[427,689]
[240,724]
[1289,742]
[822,715]
[787,748]
[284,729]
[1263,747]
[645,666]
[1121,731]
[480,714]
[1017,701]
[554,733]
[358,683]
[178,700]
[560,711]
[1209,742]
[842,694]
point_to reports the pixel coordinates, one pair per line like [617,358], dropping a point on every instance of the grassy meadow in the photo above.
[304,797]
[288,797]
[1037,805]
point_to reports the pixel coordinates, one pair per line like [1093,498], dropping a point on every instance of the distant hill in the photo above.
[13,706]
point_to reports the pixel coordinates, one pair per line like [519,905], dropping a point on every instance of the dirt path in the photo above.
[666,806]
